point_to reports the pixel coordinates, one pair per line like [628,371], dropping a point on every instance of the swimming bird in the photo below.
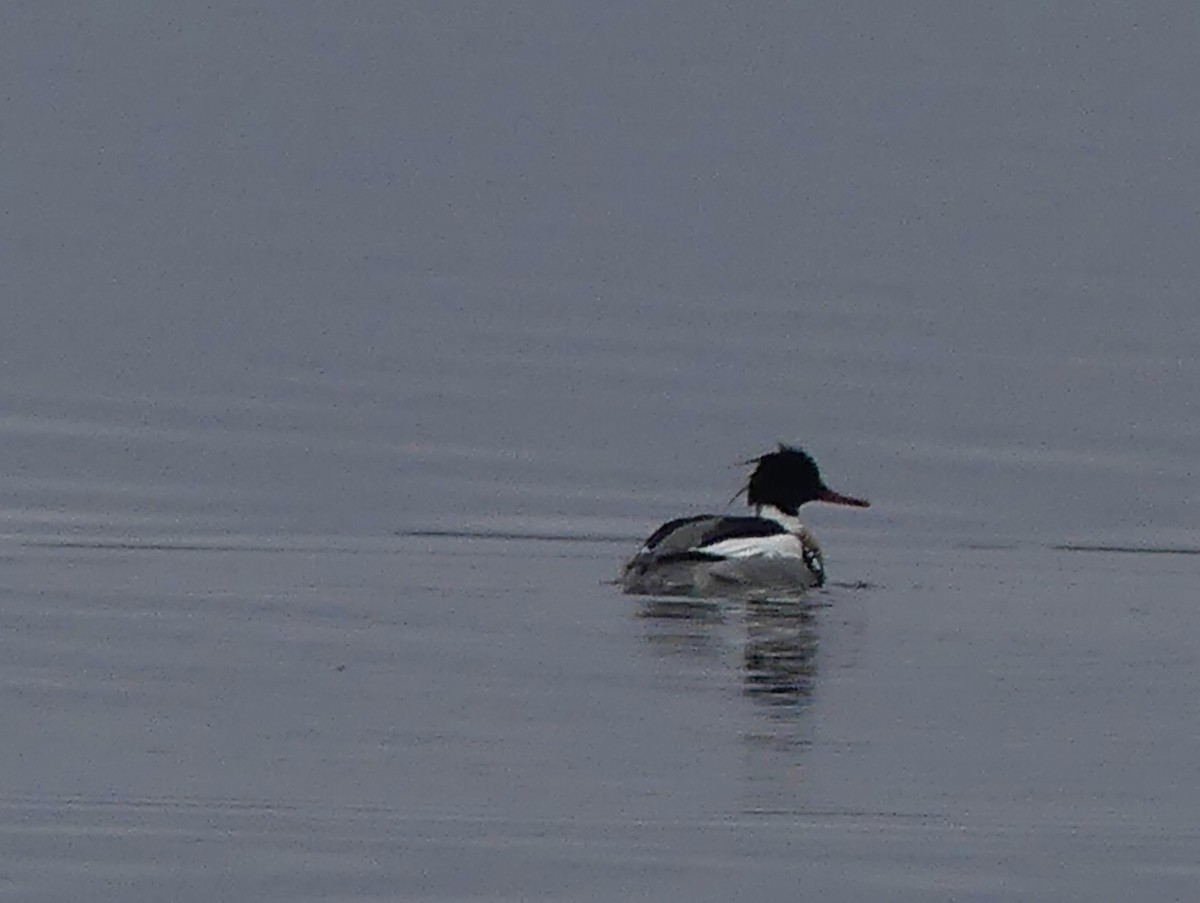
[712,554]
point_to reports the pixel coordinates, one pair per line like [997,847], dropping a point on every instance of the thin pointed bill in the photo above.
[836,498]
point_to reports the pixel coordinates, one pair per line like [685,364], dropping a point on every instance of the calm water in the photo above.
[347,356]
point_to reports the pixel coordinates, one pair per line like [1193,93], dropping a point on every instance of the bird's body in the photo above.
[711,554]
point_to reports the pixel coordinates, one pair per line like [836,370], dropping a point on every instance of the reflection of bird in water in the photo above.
[780,653]
[689,626]
[771,647]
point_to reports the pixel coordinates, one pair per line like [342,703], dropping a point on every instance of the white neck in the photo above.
[789,522]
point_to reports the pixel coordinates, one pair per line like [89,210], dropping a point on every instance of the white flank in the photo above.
[781,545]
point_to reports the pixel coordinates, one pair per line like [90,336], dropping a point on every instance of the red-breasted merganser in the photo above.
[711,554]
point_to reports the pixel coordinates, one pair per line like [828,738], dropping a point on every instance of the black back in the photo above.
[740,528]
[690,535]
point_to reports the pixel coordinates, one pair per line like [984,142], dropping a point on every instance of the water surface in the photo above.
[347,356]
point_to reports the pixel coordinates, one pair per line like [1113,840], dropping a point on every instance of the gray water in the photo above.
[348,350]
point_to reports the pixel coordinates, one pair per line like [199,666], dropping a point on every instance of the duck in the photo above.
[714,554]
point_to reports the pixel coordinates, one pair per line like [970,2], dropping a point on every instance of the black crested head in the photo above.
[787,479]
